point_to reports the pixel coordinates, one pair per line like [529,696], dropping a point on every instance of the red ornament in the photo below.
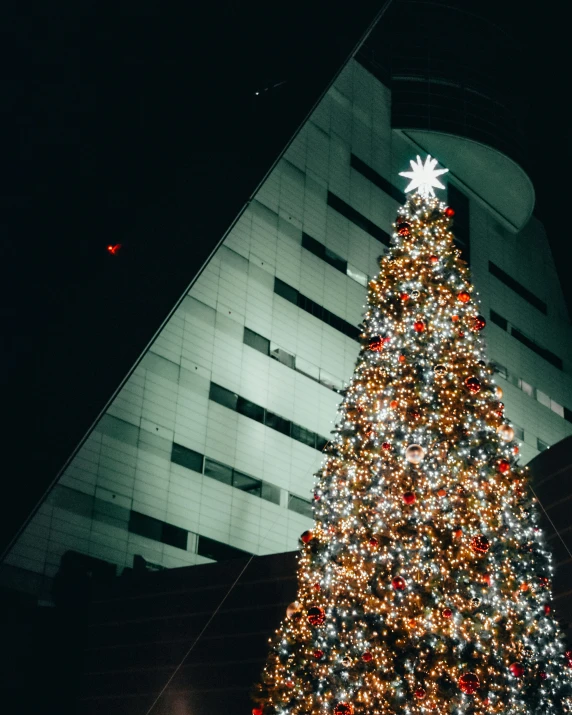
[316,616]
[517,669]
[386,446]
[446,613]
[374,542]
[473,385]
[420,693]
[307,536]
[543,675]
[442,492]
[433,259]
[487,579]
[454,318]
[409,497]
[398,583]
[317,587]
[393,404]
[469,683]
[367,657]
[464,297]
[547,609]
[503,466]
[479,323]
[419,326]
[480,544]
[257,711]
[449,212]
[404,296]
[344,709]
[318,654]
[114,249]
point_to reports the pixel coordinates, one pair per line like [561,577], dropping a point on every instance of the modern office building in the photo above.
[209,449]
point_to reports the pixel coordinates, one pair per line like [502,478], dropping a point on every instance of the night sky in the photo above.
[138,123]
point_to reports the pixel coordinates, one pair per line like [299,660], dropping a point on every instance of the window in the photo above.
[357,218]
[310,306]
[376,179]
[543,352]
[278,423]
[216,550]
[501,370]
[256,341]
[567,414]
[555,407]
[321,443]
[186,457]
[174,536]
[517,287]
[543,398]
[301,434]
[461,228]
[519,433]
[246,484]
[286,291]
[336,261]
[315,247]
[526,388]
[356,275]
[283,357]
[223,396]
[499,320]
[157,530]
[270,493]
[542,446]
[218,471]
[249,409]
[300,506]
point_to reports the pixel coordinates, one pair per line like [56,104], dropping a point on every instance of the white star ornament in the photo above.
[424,176]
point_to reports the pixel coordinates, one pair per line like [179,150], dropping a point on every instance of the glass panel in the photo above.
[301,434]
[300,506]
[525,387]
[249,409]
[541,445]
[286,291]
[256,341]
[223,396]
[145,526]
[216,550]
[334,260]
[278,423]
[217,470]
[356,275]
[246,483]
[270,493]
[543,398]
[187,457]
[519,433]
[555,407]
[321,443]
[282,356]
[174,536]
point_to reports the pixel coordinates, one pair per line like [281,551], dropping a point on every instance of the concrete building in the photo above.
[208,451]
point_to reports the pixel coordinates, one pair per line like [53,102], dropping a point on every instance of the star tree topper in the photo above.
[424,176]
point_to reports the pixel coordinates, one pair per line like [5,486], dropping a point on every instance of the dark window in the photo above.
[278,423]
[542,446]
[246,483]
[300,506]
[145,526]
[543,352]
[321,443]
[286,291]
[358,219]
[218,471]
[270,493]
[223,396]
[377,179]
[461,228]
[186,457]
[216,550]
[284,357]
[249,409]
[336,261]
[256,341]
[517,287]
[175,536]
[501,370]
[315,247]
[304,435]
[567,414]
[499,320]
[316,310]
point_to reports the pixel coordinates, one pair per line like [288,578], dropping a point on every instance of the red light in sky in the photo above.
[113,249]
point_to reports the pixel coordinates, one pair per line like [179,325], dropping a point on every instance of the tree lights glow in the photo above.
[424,585]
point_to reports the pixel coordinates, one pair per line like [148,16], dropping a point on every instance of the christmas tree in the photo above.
[424,585]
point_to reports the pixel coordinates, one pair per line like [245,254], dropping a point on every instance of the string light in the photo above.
[424,585]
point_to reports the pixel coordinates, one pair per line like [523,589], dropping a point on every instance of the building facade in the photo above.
[208,451]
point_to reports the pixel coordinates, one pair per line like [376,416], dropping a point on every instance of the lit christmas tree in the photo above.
[424,585]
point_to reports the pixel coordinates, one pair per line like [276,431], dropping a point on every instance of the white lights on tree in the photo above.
[424,177]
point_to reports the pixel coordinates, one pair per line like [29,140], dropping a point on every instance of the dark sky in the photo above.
[137,123]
